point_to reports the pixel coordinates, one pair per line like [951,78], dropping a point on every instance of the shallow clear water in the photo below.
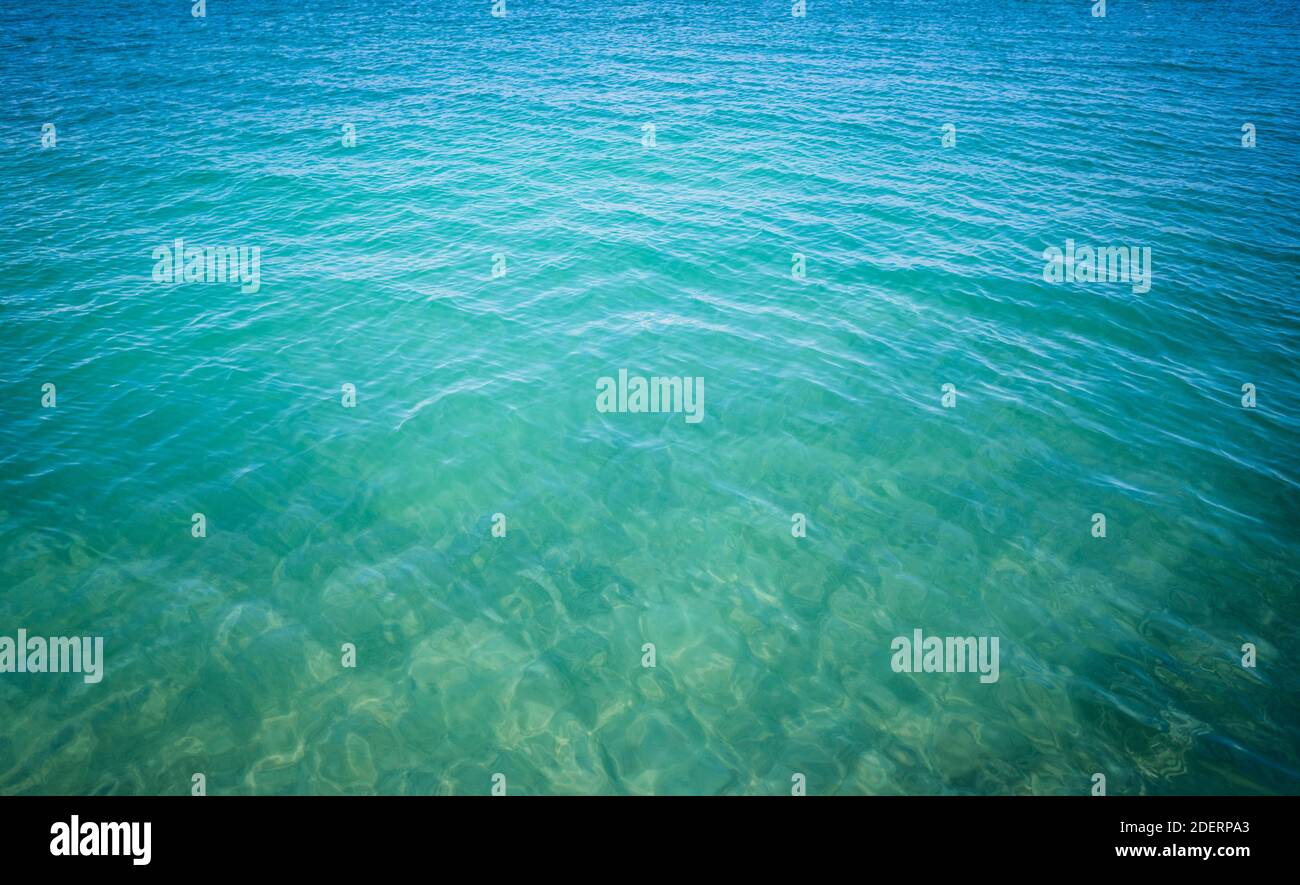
[523,654]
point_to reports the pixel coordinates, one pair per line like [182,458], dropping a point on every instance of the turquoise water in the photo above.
[522,655]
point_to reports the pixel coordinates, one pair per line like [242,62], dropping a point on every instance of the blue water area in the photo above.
[820,220]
